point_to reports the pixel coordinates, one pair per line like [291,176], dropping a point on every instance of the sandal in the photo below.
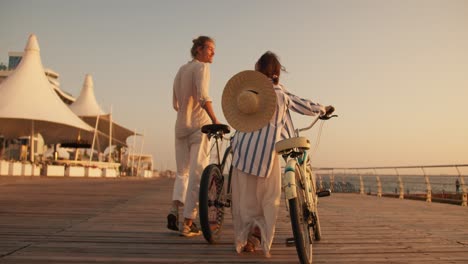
[252,242]
[249,247]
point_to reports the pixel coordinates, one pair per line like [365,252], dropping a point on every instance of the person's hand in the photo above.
[328,112]
[329,109]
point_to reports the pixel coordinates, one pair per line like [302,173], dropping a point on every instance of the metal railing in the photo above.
[440,183]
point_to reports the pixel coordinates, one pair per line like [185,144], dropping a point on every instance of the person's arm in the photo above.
[304,106]
[209,110]
[175,103]
[202,79]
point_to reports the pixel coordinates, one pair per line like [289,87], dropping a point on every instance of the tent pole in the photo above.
[110,134]
[128,153]
[2,154]
[55,152]
[141,152]
[133,148]
[94,138]
[31,142]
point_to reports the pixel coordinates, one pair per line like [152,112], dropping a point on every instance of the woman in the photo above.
[256,181]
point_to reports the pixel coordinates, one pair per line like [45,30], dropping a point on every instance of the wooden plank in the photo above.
[122,220]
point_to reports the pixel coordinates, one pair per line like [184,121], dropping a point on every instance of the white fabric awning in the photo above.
[86,107]
[86,104]
[28,103]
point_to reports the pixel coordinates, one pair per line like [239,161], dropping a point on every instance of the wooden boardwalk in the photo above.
[122,220]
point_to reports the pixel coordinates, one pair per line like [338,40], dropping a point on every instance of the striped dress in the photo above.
[254,151]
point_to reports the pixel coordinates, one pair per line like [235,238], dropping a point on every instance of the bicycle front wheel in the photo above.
[301,220]
[317,228]
[315,220]
[212,201]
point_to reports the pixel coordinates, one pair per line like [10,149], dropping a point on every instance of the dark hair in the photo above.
[199,42]
[269,65]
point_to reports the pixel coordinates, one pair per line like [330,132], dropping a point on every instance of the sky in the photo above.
[396,71]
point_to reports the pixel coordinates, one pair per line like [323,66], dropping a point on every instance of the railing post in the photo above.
[343,182]
[463,188]
[428,187]
[400,185]
[361,184]
[320,181]
[332,181]
[379,184]
[379,187]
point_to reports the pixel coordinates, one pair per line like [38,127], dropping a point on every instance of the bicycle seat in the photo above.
[215,128]
[288,144]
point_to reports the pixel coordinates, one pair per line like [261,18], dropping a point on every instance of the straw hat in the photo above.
[249,101]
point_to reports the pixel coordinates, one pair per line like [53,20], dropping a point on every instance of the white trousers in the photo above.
[256,202]
[192,156]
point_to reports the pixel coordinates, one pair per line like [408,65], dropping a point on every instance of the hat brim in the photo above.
[266,95]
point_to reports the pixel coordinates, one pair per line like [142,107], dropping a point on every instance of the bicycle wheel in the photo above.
[301,221]
[317,229]
[211,202]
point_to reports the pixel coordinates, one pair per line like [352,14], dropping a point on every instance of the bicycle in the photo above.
[215,186]
[299,185]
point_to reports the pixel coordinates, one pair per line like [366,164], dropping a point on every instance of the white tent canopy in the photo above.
[29,105]
[86,107]
[86,104]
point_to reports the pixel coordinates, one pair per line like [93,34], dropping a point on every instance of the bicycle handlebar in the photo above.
[326,116]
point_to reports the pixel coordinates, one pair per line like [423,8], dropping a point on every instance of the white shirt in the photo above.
[190,93]
[254,151]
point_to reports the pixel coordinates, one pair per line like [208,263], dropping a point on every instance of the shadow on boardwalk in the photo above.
[78,220]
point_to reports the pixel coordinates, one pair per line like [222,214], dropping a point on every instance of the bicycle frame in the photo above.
[222,162]
[219,137]
[225,156]
[301,159]
[306,178]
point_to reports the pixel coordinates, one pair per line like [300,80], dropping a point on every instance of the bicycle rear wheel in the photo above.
[212,201]
[301,221]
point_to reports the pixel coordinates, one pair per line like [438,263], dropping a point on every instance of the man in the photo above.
[194,109]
